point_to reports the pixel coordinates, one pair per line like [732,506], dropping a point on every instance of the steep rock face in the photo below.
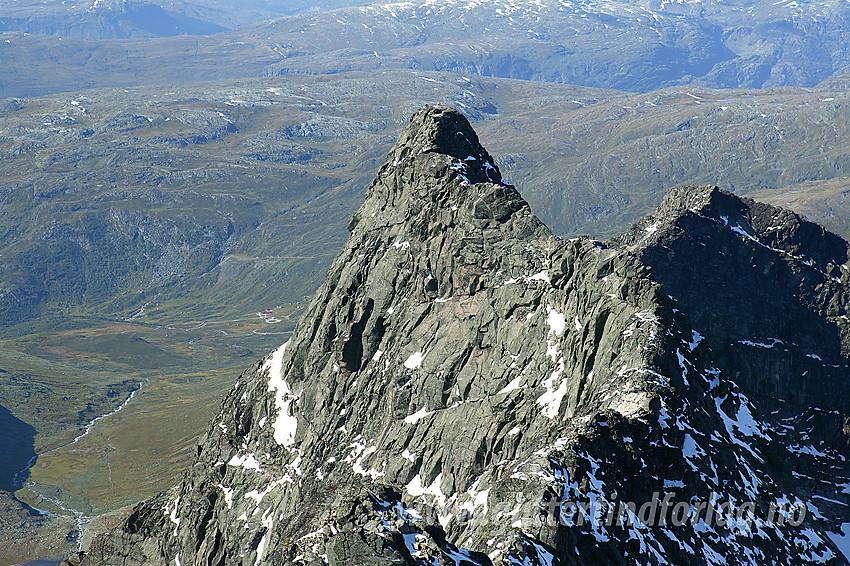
[752,276]
[463,378]
[770,292]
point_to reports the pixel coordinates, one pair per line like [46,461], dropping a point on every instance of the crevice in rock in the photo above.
[352,350]
[201,533]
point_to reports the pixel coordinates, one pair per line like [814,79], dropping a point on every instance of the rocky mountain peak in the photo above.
[438,167]
[707,200]
[441,129]
[465,388]
[762,224]
[755,277]
[439,202]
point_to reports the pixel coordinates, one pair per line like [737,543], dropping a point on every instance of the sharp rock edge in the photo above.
[462,372]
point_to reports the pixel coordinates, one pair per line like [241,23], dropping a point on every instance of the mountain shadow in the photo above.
[17,448]
[755,279]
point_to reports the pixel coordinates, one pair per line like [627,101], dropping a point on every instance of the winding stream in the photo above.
[80,517]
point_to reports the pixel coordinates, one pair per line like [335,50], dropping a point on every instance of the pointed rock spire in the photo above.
[438,166]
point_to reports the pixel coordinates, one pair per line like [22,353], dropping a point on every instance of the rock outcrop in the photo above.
[466,388]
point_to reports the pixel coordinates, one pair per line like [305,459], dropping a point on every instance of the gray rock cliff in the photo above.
[464,378]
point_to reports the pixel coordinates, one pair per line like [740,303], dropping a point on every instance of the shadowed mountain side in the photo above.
[755,277]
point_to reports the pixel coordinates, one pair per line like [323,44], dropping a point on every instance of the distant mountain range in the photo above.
[102,19]
[634,46]
[113,19]
[626,45]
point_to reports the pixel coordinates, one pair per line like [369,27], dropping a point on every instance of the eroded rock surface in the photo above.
[463,376]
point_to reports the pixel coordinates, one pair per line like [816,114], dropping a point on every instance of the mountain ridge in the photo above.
[462,373]
[633,46]
[799,305]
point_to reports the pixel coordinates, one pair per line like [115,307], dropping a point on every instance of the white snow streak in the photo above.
[286,424]
[417,416]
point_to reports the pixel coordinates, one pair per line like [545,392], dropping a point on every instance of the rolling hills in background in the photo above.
[146,202]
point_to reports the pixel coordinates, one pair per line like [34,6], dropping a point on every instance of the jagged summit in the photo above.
[463,380]
[753,276]
[439,199]
[432,169]
[444,130]
[770,226]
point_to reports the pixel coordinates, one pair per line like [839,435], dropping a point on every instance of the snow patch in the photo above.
[172,514]
[697,338]
[753,343]
[414,360]
[551,399]
[416,489]
[556,321]
[260,549]
[359,453]
[476,499]
[545,557]
[258,496]
[417,416]
[248,461]
[228,495]
[286,424]
[808,449]
[512,386]
[408,455]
